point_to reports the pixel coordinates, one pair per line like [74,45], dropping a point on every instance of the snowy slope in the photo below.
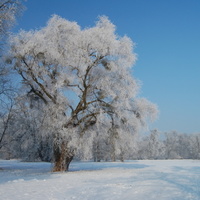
[134,180]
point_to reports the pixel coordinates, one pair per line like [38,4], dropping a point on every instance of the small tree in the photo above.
[171,143]
[83,78]
[25,132]
[9,10]
[155,146]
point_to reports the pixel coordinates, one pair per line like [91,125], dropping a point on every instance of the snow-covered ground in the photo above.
[134,180]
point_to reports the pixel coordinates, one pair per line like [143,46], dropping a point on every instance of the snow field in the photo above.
[134,180]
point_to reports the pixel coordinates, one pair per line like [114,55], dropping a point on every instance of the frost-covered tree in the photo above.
[25,131]
[171,143]
[155,147]
[6,100]
[195,146]
[84,79]
[9,10]
[151,146]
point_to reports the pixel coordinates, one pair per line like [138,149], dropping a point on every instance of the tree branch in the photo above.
[38,83]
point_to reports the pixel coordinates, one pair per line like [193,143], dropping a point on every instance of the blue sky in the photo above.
[167,38]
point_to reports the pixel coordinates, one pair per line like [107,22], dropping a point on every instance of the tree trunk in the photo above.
[122,156]
[62,158]
[97,152]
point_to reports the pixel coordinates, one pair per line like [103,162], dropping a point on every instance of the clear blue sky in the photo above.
[167,37]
